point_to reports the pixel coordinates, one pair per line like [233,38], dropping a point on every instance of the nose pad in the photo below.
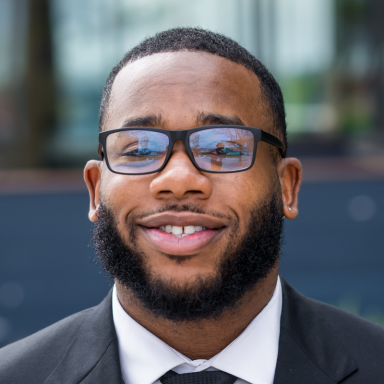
[180,178]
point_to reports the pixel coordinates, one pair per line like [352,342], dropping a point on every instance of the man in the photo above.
[189,202]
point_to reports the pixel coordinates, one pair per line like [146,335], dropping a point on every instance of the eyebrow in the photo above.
[149,121]
[202,119]
[215,119]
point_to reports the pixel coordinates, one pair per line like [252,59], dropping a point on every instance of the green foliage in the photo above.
[351,12]
[302,89]
[356,118]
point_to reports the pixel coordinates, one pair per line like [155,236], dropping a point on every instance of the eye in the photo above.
[220,151]
[141,152]
[228,151]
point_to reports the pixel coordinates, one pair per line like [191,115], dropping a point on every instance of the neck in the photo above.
[205,338]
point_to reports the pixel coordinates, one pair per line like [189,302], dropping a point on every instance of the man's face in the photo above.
[184,90]
[202,274]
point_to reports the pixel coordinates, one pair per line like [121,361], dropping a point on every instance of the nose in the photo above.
[180,179]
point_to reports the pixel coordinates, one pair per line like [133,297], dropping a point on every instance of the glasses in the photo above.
[214,148]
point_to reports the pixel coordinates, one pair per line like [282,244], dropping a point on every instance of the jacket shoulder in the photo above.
[363,340]
[37,355]
[323,330]
[363,337]
[351,329]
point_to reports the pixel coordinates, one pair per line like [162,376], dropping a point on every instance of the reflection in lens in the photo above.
[222,149]
[136,151]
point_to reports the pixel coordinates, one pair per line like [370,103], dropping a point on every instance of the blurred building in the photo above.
[56,55]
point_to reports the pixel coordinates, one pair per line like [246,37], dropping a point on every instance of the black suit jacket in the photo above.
[319,344]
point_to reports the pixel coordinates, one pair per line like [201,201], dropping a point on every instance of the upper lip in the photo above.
[182,219]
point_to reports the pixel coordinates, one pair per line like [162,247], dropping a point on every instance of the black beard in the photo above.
[244,263]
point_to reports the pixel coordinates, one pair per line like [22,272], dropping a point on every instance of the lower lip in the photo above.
[187,245]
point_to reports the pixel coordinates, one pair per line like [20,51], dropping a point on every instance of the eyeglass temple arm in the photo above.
[100,152]
[266,137]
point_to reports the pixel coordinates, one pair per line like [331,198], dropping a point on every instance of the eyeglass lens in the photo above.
[136,151]
[222,149]
[216,149]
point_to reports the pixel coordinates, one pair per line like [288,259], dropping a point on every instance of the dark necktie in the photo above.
[204,377]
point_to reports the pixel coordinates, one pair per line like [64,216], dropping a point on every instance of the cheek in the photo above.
[247,190]
[124,193]
[250,190]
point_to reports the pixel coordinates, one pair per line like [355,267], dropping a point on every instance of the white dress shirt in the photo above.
[251,357]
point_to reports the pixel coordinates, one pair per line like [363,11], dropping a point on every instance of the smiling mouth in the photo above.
[180,240]
[181,231]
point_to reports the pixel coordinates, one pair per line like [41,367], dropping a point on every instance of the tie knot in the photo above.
[205,377]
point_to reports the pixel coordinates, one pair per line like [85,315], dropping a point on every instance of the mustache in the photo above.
[189,207]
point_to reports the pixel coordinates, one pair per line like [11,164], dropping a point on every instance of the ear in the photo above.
[92,177]
[290,174]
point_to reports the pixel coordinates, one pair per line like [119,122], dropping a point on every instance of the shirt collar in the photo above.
[143,356]
[252,356]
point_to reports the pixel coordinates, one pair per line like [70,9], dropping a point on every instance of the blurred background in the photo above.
[55,55]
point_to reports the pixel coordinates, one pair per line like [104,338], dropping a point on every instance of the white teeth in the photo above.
[189,229]
[177,230]
[181,231]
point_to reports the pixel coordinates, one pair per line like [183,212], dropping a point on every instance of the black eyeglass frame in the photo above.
[258,134]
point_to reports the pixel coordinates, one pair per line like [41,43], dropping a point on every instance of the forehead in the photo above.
[181,85]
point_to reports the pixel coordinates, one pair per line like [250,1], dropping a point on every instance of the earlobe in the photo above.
[92,177]
[92,214]
[290,173]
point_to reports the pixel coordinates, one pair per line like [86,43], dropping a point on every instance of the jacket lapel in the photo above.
[107,370]
[93,356]
[309,351]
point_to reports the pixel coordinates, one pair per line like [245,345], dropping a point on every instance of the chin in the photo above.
[190,279]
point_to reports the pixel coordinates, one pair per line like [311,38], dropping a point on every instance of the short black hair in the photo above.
[200,40]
